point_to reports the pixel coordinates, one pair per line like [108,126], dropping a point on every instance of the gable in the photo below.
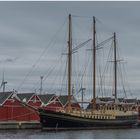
[35,100]
[45,98]
[55,101]
[25,96]
[34,97]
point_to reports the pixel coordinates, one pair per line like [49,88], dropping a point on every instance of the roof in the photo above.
[121,99]
[90,106]
[130,100]
[100,100]
[45,98]
[64,99]
[138,101]
[4,96]
[105,99]
[25,96]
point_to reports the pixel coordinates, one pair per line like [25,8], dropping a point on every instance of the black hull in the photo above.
[51,120]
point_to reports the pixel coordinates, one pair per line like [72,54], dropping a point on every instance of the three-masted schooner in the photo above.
[104,117]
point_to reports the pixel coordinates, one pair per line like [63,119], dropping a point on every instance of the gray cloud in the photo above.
[26,29]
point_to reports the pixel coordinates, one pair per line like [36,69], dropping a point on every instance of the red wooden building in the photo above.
[15,106]
[50,102]
[12,109]
[53,102]
[32,100]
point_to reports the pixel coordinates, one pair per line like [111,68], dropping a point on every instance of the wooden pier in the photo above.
[19,125]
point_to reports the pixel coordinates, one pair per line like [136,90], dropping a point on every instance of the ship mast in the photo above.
[115,67]
[94,64]
[69,62]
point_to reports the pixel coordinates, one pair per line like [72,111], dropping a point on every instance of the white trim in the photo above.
[43,102]
[7,98]
[30,97]
[16,97]
[58,101]
[50,100]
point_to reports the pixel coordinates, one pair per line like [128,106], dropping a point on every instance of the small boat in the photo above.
[98,116]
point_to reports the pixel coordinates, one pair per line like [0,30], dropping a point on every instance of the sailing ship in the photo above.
[96,117]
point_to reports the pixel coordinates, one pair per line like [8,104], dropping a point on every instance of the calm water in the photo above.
[88,134]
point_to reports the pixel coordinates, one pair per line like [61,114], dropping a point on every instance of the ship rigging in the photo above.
[115,116]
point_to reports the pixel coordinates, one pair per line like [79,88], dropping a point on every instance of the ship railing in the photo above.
[87,114]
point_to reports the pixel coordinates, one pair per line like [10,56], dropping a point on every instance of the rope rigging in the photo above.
[78,81]
[48,72]
[43,52]
[121,80]
[65,71]
[80,45]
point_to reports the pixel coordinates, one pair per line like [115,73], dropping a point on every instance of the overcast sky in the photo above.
[27,28]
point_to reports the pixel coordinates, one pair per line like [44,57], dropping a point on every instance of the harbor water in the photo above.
[133,133]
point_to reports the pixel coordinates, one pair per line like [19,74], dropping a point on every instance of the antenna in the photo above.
[82,90]
[73,90]
[3,83]
[41,88]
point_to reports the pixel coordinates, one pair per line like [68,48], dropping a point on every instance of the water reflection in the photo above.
[84,134]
